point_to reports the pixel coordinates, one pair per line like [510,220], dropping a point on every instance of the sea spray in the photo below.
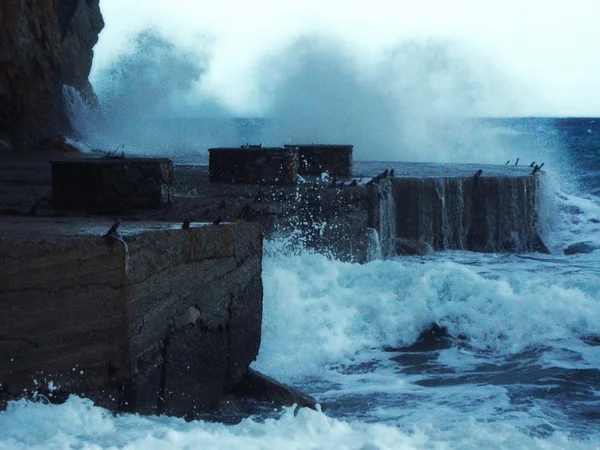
[319,311]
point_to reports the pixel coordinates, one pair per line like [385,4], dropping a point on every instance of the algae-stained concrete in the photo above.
[166,323]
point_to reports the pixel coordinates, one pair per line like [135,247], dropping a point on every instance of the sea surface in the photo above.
[519,366]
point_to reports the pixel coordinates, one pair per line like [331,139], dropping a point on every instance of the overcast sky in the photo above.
[545,54]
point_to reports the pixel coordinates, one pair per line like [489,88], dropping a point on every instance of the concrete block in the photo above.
[315,159]
[253,165]
[111,185]
[164,324]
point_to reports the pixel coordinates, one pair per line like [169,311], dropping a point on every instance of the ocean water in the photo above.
[518,368]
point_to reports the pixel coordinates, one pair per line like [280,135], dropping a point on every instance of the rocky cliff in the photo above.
[44,44]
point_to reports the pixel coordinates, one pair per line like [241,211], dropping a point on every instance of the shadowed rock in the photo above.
[579,247]
[262,387]
[44,45]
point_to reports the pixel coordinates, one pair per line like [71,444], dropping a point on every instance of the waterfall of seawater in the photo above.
[387,219]
[374,246]
[462,213]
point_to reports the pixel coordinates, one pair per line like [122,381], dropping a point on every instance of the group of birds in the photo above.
[375,180]
[533,165]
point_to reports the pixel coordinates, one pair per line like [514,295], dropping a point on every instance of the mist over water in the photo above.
[150,101]
[412,102]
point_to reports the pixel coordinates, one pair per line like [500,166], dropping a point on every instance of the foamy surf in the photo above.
[78,424]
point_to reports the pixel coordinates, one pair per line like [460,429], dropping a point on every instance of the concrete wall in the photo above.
[167,325]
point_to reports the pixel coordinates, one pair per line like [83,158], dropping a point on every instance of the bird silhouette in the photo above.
[244,214]
[113,229]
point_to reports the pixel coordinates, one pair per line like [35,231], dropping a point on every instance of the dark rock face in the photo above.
[261,387]
[579,247]
[44,44]
[411,247]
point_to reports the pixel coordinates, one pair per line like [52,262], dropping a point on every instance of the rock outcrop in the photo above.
[44,45]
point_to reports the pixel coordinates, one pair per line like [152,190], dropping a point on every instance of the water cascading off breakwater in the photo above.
[488,214]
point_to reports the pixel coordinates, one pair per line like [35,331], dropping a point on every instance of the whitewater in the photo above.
[518,366]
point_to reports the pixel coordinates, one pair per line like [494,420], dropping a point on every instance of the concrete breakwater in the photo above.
[442,209]
[163,320]
[167,320]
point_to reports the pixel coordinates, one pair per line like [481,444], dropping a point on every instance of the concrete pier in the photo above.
[165,321]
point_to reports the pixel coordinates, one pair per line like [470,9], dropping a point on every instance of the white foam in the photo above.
[318,311]
[78,424]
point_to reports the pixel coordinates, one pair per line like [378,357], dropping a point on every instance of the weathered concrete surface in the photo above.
[106,185]
[253,165]
[167,323]
[315,159]
[443,212]
[44,44]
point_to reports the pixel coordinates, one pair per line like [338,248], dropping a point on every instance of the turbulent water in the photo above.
[519,367]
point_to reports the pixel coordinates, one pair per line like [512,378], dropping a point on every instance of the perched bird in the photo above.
[185,225]
[217,221]
[385,173]
[532,164]
[517,163]
[391,172]
[222,205]
[113,235]
[333,181]
[37,203]
[353,183]
[476,178]
[112,231]
[507,162]
[244,214]
[537,168]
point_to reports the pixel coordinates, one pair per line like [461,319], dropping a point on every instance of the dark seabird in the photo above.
[542,165]
[532,164]
[536,168]
[185,225]
[385,173]
[218,220]
[113,229]
[37,203]
[353,183]
[478,174]
[391,172]
[507,162]
[222,205]
[517,163]
[244,213]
